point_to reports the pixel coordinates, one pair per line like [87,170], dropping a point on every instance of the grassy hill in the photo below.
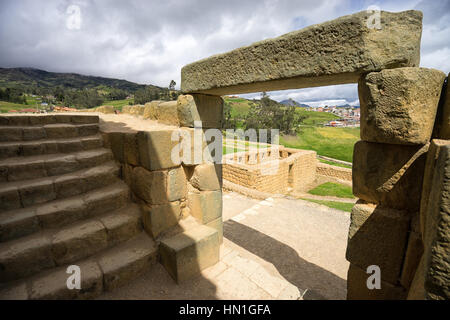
[26,77]
[331,142]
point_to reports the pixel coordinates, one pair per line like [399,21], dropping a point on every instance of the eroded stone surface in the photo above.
[334,52]
[398,106]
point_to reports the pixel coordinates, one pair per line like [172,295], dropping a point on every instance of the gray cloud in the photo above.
[149,41]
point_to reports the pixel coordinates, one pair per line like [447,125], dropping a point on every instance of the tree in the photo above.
[172,85]
[269,114]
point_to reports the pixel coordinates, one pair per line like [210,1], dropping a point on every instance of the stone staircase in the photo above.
[62,203]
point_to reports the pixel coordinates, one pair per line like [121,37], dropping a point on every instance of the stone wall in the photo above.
[390,165]
[271,170]
[171,190]
[334,171]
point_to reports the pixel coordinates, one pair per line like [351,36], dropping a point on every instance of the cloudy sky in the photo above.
[148,41]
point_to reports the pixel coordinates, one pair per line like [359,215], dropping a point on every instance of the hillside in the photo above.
[27,77]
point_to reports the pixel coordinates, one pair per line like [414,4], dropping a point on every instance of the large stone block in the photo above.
[207,177]
[413,254]
[151,110]
[399,106]
[200,107]
[436,229]
[378,236]
[444,121]
[155,149]
[160,218]
[167,113]
[384,174]
[357,287]
[186,254]
[130,148]
[334,52]
[116,142]
[205,206]
[150,186]
[176,184]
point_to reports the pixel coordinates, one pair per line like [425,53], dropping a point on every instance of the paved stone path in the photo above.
[277,248]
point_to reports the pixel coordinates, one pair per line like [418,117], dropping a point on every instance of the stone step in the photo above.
[60,213]
[103,272]
[187,253]
[56,247]
[25,168]
[49,131]
[45,119]
[23,194]
[49,146]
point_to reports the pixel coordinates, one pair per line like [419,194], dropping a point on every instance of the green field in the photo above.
[337,164]
[333,190]
[334,204]
[331,142]
[118,104]
[240,108]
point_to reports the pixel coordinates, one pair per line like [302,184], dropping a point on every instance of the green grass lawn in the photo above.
[316,118]
[331,142]
[333,190]
[337,164]
[334,204]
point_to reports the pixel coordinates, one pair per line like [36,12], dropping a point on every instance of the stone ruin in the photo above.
[272,170]
[108,196]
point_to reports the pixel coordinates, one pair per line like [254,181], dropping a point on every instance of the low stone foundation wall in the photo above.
[334,171]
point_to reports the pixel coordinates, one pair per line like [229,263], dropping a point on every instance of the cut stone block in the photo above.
[444,124]
[17,291]
[218,225]
[206,177]
[188,253]
[413,254]
[24,171]
[357,287]
[399,106]
[378,236]
[62,212]
[376,168]
[436,229]
[155,149]
[127,261]
[18,223]
[116,141]
[298,59]
[205,206]
[37,192]
[176,184]
[167,113]
[200,107]
[436,147]
[34,133]
[53,286]
[130,148]
[79,241]
[25,256]
[150,110]
[151,186]
[9,198]
[122,224]
[417,288]
[160,218]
